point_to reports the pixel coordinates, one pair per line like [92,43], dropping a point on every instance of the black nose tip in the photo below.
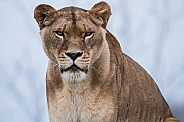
[74,55]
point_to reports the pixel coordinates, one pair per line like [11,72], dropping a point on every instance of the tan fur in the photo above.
[107,86]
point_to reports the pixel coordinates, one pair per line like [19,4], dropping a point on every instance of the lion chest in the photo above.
[83,107]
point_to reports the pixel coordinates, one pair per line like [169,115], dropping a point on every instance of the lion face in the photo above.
[75,46]
[73,38]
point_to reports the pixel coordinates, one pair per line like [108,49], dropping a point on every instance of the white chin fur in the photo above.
[73,77]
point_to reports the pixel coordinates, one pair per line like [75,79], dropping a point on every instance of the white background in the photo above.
[149,31]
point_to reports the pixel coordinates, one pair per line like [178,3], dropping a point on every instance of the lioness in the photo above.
[89,79]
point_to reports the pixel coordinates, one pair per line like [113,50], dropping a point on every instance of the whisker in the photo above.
[56,67]
[53,66]
[96,70]
[90,66]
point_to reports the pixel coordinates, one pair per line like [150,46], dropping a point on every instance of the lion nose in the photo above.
[74,55]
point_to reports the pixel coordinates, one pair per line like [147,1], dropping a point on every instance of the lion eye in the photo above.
[59,34]
[88,34]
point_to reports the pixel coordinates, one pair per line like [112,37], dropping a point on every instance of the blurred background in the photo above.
[149,31]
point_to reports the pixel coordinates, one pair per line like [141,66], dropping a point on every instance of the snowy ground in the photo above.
[150,31]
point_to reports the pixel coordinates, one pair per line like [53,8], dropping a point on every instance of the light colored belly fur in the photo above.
[85,106]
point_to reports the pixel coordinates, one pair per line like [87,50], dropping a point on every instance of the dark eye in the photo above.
[88,34]
[59,34]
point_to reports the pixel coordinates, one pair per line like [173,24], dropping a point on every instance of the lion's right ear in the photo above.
[44,15]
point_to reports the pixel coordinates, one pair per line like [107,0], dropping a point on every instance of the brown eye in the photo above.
[59,34]
[88,34]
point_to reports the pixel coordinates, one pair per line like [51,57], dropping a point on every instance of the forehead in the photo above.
[74,17]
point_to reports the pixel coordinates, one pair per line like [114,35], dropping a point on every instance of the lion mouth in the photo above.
[73,68]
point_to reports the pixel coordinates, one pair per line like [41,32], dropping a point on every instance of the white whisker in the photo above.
[53,66]
[90,66]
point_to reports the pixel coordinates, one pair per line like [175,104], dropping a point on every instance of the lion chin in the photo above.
[73,74]
[73,77]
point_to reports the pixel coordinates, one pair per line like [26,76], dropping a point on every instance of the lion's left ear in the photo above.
[102,11]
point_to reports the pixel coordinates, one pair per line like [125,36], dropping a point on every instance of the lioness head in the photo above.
[73,37]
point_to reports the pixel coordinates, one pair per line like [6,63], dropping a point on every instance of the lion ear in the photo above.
[44,15]
[102,11]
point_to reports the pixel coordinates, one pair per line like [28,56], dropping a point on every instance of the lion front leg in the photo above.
[170,119]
